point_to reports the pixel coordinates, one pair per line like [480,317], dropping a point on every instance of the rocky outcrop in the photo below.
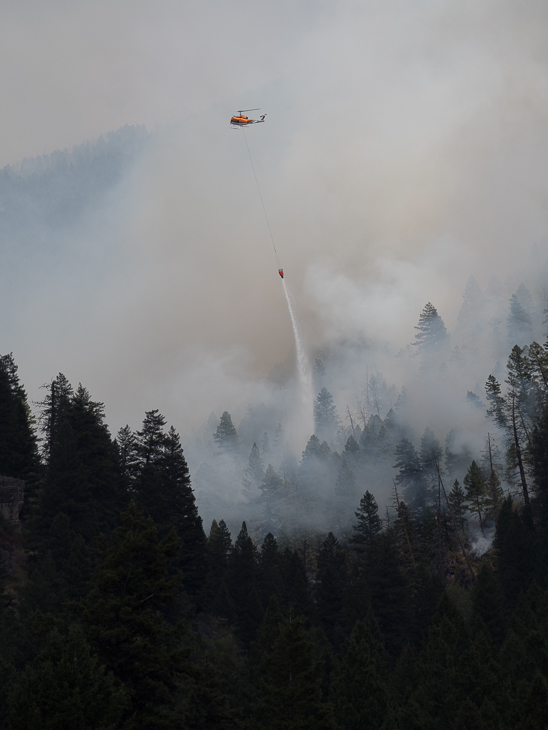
[12,495]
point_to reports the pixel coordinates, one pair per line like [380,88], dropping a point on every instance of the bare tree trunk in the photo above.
[492,471]
[405,530]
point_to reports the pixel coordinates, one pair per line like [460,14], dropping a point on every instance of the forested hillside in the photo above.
[121,609]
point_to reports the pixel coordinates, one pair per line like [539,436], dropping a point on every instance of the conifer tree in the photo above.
[296,591]
[292,684]
[126,442]
[387,586]
[177,509]
[83,479]
[457,503]
[269,574]
[18,448]
[519,325]
[254,474]
[351,446]
[496,403]
[242,581]
[410,477]
[123,622]
[331,583]
[226,436]
[475,491]
[325,415]
[219,545]
[345,485]
[359,690]
[432,336]
[66,688]
[368,523]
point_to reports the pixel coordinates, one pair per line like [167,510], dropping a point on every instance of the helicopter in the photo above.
[241,120]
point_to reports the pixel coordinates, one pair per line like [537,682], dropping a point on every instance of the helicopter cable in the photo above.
[261,197]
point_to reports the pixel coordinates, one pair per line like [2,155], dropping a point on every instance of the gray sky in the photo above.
[405,148]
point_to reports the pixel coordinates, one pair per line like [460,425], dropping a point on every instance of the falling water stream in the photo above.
[302,360]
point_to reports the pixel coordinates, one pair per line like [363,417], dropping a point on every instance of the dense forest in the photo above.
[120,610]
[389,572]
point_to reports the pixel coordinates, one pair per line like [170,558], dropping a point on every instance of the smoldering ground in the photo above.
[404,150]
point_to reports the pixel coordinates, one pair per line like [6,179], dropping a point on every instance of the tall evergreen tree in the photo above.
[177,509]
[219,545]
[359,690]
[432,336]
[66,688]
[18,448]
[123,622]
[345,485]
[475,492]
[226,436]
[292,684]
[326,420]
[368,523]
[410,477]
[83,479]
[457,503]
[254,474]
[331,584]
[242,579]
[520,330]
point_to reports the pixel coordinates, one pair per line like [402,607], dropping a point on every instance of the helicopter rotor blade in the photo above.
[249,110]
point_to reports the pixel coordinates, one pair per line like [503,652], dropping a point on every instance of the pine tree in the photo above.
[126,442]
[292,685]
[488,603]
[493,489]
[331,583]
[432,336]
[387,585]
[457,503]
[410,477]
[516,550]
[123,622]
[242,581]
[226,436]
[150,439]
[178,510]
[345,485]
[254,474]
[66,688]
[351,446]
[219,545]
[475,491]
[496,403]
[83,479]
[269,574]
[296,592]
[520,330]
[18,448]
[369,524]
[359,690]
[520,408]
[325,415]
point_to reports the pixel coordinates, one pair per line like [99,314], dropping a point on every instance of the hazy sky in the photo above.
[405,147]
